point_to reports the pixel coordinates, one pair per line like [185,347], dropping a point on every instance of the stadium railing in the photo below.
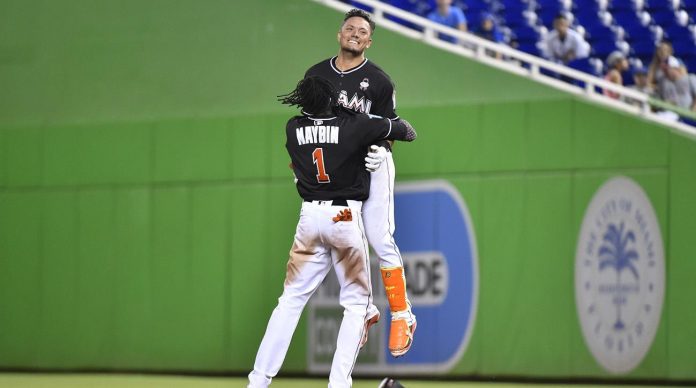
[520,63]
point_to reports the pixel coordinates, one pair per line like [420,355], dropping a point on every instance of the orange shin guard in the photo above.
[395,287]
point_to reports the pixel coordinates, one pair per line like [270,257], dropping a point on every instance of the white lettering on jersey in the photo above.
[300,136]
[313,134]
[358,104]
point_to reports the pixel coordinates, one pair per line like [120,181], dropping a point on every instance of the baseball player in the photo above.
[327,145]
[365,88]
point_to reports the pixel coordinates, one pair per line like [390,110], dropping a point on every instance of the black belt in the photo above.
[334,202]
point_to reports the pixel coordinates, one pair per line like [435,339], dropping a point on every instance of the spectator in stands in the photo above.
[640,83]
[616,64]
[489,30]
[448,15]
[564,44]
[669,77]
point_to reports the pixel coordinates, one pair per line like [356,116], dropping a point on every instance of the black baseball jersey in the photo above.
[365,88]
[328,153]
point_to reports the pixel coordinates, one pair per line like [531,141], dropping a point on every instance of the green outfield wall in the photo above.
[146,208]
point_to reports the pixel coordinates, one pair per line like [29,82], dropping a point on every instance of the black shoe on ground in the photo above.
[390,383]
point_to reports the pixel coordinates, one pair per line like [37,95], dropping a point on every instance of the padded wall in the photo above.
[146,209]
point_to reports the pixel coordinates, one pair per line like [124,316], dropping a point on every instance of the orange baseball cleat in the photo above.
[403,325]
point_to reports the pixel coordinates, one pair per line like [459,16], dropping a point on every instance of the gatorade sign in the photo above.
[435,235]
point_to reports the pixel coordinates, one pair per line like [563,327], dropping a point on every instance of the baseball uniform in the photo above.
[327,155]
[366,88]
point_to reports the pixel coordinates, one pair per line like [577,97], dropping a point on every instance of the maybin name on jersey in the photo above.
[312,134]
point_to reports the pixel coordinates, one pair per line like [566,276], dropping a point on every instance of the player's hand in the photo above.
[375,157]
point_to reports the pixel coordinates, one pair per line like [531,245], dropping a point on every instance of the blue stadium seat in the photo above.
[688,121]
[458,3]
[418,7]
[663,17]
[471,3]
[598,33]
[589,9]
[657,5]
[530,48]
[677,32]
[603,47]
[474,7]
[514,18]
[622,5]
[514,4]
[586,6]
[627,19]
[404,23]
[526,34]
[689,5]
[643,48]
[638,34]
[591,21]
[586,65]
[513,8]
[361,6]
[628,74]
[683,48]
[547,16]
[690,62]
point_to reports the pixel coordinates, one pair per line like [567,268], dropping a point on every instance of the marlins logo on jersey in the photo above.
[361,88]
[356,103]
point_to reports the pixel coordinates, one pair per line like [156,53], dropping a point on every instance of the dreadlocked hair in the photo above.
[313,94]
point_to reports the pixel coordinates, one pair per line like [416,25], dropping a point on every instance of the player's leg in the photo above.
[351,262]
[403,321]
[378,215]
[307,267]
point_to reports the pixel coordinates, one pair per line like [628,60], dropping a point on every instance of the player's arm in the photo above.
[386,105]
[377,128]
[401,130]
[386,130]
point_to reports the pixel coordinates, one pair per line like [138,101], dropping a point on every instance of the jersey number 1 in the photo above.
[318,157]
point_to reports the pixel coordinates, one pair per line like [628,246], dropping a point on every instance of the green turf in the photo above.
[138,381]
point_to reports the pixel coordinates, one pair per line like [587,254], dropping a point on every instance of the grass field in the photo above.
[11,380]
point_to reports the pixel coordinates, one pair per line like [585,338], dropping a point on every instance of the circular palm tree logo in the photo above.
[619,275]
[615,253]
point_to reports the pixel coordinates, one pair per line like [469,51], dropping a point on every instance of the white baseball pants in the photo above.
[378,215]
[320,243]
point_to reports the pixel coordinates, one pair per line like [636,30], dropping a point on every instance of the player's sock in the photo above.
[395,287]
[403,323]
